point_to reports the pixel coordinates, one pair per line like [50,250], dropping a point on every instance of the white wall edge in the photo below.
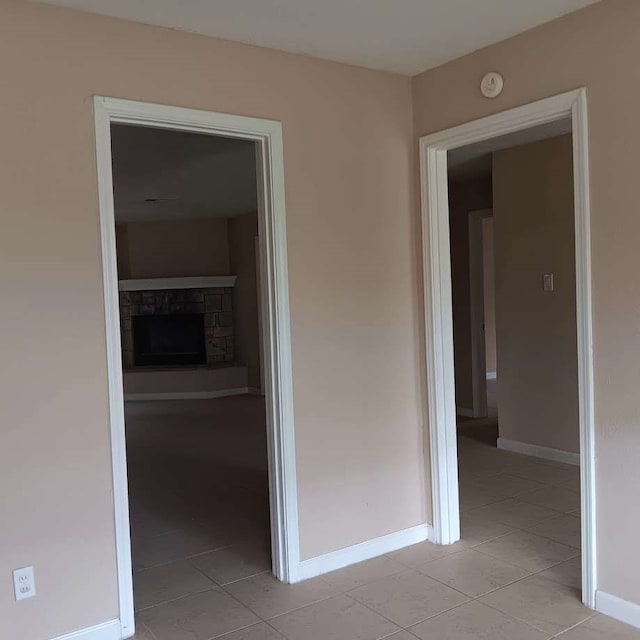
[492,375]
[105,631]
[185,395]
[547,453]
[464,412]
[363,551]
[610,605]
[192,282]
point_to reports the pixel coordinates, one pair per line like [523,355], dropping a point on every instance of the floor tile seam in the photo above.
[408,566]
[541,535]
[213,587]
[181,558]
[553,566]
[253,575]
[577,624]
[201,572]
[468,599]
[502,535]
[472,597]
[146,628]
[525,568]
[354,600]
[520,620]
[544,506]
[284,613]
[488,555]
[593,613]
[228,633]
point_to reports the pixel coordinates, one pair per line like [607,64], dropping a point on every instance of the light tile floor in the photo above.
[200,527]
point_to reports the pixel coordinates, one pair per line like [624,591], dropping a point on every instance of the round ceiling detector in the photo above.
[492,84]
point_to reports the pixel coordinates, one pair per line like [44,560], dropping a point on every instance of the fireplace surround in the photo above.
[168,339]
[190,326]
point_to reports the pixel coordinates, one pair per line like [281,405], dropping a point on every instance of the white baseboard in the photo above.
[492,375]
[618,608]
[557,455]
[465,413]
[105,631]
[187,395]
[363,551]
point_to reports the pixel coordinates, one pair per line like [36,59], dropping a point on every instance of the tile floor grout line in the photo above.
[181,558]
[578,624]
[201,572]
[484,553]
[530,504]
[146,628]
[540,535]
[253,575]
[522,621]
[486,593]
[366,606]
[182,597]
[279,614]
[228,633]
[502,535]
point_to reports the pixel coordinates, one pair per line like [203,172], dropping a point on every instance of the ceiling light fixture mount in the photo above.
[492,84]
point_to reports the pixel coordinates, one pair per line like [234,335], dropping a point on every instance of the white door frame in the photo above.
[267,134]
[476,312]
[438,317]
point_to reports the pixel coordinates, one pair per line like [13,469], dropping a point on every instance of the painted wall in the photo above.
[179,248]
[489,290]
[353,275]
[536,329]
[465,195]
[242,233]
[596,48]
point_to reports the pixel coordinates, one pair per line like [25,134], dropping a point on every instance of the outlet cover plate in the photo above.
[24,583]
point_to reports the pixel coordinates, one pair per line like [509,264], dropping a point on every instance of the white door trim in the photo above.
[438,318]
[267,135]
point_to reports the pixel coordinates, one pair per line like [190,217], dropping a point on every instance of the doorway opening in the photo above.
[563,115]
[193,237]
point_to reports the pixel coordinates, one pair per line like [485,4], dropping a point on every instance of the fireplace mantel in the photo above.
[196,282]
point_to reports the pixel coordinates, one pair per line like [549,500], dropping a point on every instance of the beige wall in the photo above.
[536,329]
[243,231]
[179,248]
[489,290]
[465,195]
[597,48]
[349,166]
[353,280]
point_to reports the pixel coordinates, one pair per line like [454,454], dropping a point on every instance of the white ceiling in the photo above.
[191,175]
[475,159]
[405,36]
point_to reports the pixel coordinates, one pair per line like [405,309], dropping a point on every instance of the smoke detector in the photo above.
[492,84]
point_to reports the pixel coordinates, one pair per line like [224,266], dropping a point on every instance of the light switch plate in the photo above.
[547,282]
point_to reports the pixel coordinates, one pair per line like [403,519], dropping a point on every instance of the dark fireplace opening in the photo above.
[169,339]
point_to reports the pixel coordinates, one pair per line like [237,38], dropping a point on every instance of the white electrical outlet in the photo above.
[24,583]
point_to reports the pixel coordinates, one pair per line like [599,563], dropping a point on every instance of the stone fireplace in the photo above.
[168,339]
[175,322]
